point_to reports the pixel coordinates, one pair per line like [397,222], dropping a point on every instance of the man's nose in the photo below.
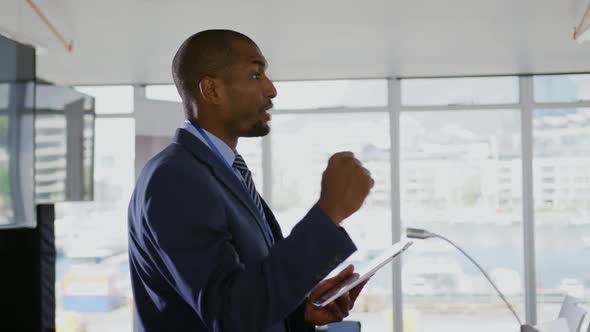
[270,90]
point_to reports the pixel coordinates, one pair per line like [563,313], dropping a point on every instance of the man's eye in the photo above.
[256,76]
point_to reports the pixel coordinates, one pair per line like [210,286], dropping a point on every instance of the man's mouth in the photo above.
[266,114]
[267,107]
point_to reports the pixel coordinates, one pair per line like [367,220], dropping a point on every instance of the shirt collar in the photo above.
[228,154]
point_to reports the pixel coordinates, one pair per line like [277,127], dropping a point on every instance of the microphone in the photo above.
[417,233]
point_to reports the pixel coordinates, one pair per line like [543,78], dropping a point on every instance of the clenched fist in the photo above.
[345,185]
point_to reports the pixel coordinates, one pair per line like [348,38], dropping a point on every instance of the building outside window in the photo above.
[461,175]
[93,288]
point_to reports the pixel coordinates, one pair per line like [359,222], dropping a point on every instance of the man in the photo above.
[206,252]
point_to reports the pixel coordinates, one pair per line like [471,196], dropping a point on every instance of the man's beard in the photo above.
[259,129]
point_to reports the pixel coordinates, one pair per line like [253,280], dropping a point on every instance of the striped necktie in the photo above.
[240,166]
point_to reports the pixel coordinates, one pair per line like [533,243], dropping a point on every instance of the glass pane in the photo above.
[561,168]
[16,154]
[561,88]
[4,96]
[330,94]
[64,131]
[93,287]
[162,92]
[110,99]
[460,91]
[297,95]
[301,147]
[460,177]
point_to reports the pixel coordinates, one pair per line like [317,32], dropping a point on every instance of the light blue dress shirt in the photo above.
[228,154]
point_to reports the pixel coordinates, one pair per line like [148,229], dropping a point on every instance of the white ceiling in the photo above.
[133,41]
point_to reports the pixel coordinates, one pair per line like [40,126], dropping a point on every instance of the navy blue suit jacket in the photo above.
[199,255]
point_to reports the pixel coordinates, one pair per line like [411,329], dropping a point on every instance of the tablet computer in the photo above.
[367,271]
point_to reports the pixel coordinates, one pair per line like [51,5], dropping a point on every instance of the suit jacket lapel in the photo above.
[272,221]
[222,173]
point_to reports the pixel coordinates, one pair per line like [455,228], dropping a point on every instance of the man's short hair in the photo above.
[206,53]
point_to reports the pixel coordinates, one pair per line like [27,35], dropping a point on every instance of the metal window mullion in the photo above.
[394,101]
[528,216]
[573,104]
[115,116]
[332,110]
[474,107]
[138,92]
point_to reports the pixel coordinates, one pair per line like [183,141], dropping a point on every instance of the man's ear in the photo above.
[210,90]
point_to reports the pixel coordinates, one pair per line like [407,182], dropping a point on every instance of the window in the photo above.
[561,88]
[93,287]
[113,99]
[60,161]
[461,176]
[301,147]
[460,91]
[562,223]
[6,209]
[17,207]
[462,152]
[330,94]
[166,92]
[300,95]
[505,170]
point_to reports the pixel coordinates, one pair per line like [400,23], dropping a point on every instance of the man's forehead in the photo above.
[251,54]
[258,60]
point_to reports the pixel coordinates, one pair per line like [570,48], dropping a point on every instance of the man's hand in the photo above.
[339,308]
[345,185]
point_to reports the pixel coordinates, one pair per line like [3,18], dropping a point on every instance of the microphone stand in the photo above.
[417,233]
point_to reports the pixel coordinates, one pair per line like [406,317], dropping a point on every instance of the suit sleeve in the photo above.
[188,222]
[296,322]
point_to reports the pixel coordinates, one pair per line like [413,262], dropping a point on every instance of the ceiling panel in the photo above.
[133,41]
